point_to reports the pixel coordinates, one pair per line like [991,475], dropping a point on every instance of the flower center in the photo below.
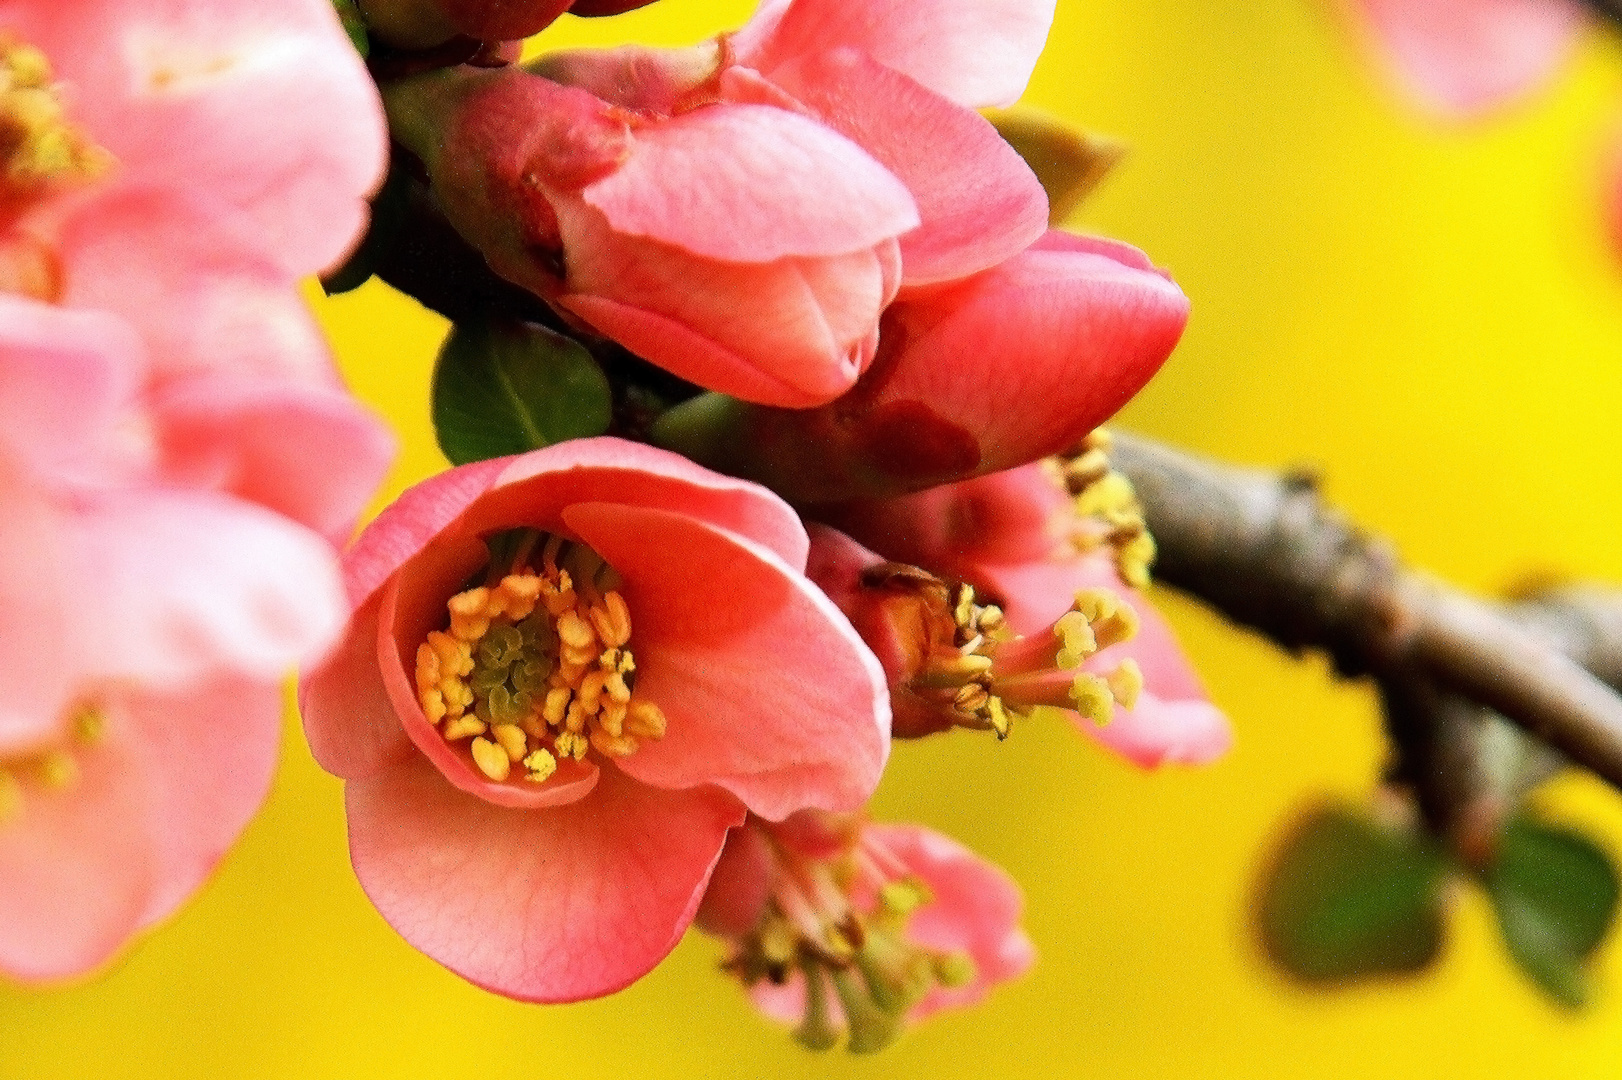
[40,154]
[536,665]
[52,769]
[812,925]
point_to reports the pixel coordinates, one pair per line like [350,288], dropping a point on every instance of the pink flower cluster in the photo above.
[179,457]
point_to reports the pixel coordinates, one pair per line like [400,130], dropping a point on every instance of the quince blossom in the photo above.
[567,675]
[843,924]
[173,426]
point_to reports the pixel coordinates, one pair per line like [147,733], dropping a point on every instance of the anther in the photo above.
[491,759]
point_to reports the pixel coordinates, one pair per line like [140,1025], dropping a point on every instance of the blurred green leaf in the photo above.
[1069,164]
[1346,897]
[1555,893]
[354,25]
[504,388]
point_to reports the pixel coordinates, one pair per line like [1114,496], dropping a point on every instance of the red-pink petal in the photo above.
[212,302]
[1462,57]
[349,718]
[752,184]
[266,105]
[312,454]
[975,52]
[979,203]
[550,905]
[211,752]
[78,864]
[767,689]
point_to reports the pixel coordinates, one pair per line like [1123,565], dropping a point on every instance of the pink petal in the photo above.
[975,909]
[740,887]
[1462,57]
[40,664]
[77,864]
[188,584]
[211,303]
[752,184]
[541,905]
[267,106]
[768,691]
[978,201]
[1071,335]
[67,381]
[349,718]
[211,753]
[975,52]
[534,489]
[312,454]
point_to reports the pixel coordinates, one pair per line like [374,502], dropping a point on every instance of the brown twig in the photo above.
[1268,553]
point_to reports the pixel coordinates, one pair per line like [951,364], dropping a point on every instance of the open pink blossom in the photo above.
[1018,539]
[989,373]
[644,662]
[147,628]
[1459,58]
[938,927]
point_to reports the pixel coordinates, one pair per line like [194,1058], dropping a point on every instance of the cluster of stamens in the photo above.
[980,675]
[1106,507]
[811,926]
[37,144]
[535,665]
[55,768]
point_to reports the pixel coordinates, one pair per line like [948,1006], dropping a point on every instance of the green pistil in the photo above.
[510,669]
[816,1030]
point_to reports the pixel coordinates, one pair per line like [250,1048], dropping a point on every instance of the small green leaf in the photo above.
[1555,892]
[1346,897]
[1069,164]
[504,388]
[354,25]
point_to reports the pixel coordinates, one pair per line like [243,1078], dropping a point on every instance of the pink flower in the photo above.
[744,247]
[1001,369]
[178,448]
[1017,537]
[839,923]
[147,628]
[1462,57]
[565,747]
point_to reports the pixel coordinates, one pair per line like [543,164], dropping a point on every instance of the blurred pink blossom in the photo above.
[569,867]
[179,453]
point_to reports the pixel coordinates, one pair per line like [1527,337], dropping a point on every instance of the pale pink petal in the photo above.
[752,184]
[349,718]
[240,589]
[534,488]
[78,863]
[1462,57]
[975,52]
[67,379]
[211,752]
[979,203]
[194,283]
[757,672]
[266,105]
[541,905]
[313,454]
[975,908]
[42,660]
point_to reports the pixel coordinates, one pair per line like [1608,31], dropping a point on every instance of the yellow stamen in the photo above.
[1126,683]
[511,738]
[11,797]
[58,770]
[462,727]
[38,146]
[1092,697]
[491,759]
[541,766]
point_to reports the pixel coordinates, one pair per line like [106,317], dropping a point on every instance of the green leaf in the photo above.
[354,25]
[1555,893]
[504,388]
[1346,898]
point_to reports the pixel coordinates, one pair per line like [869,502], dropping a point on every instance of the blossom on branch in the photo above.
[841,924]
[179,454]
[567,675]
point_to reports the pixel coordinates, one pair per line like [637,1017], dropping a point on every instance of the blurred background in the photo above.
[1432,315]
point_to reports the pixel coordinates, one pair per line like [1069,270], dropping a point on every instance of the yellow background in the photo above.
[1432,315]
